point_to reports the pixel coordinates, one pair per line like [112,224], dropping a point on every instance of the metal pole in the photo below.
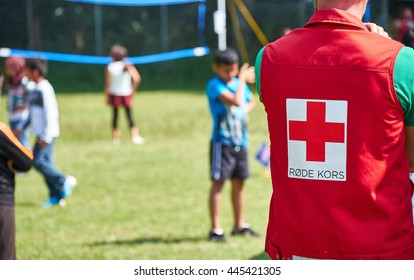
[30,24]
[220,24]
[384,13]
[98,30]
[164,28]
[367,15]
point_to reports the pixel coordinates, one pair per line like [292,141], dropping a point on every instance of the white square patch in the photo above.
[317,140]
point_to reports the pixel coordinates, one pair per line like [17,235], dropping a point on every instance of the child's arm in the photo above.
[50,116]
[107,85]
[246,75]
[251,104]
[135,76]
[22,125]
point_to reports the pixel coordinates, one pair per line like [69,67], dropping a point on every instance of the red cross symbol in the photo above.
[316,131]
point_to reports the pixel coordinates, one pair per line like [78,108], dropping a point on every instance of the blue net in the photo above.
[137,2]
[183,36]
[92,59]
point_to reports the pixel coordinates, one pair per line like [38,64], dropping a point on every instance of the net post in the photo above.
[220,24]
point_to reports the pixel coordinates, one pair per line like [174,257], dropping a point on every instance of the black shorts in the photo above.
[227,162]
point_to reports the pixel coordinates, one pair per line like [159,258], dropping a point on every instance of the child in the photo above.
[43,118]
[121,81]
[13,157]
[17,95]
[230,100]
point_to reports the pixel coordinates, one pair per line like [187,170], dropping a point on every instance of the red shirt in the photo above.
[339,167]
[404,26]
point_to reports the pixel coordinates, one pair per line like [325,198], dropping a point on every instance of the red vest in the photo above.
[341,188]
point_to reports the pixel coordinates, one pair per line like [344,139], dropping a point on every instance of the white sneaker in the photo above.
[137,140]
[116,141]
[68,186]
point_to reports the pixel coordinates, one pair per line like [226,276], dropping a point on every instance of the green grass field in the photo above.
[137,202]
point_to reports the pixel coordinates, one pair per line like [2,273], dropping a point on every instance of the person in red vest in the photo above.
[340,110]
[13,157]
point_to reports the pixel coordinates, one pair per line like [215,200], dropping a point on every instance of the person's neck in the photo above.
[39,79]
[355,7]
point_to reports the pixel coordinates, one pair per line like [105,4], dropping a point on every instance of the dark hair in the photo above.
[37,64]
[118,52]
[227,56]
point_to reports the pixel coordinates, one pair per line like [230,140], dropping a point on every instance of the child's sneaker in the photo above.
[53,201]
[245,231]
[137,140]
[68,186]
[217,236]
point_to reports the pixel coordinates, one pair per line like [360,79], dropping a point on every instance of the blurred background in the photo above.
[89,29]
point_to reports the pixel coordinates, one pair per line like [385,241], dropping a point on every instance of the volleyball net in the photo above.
[82,31]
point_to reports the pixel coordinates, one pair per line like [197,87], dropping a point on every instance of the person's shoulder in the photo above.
[5,130]
[214,88]
[3,126]
[381,40]
[213,82]
[404,64]
[46,83]
[46,86]
[406,53]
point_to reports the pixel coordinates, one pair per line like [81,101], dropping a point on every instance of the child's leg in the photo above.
[132,126]
[133,129]
[237,197]
[116,133]
[128,112]
[215,203]
[43,162]
[127,103]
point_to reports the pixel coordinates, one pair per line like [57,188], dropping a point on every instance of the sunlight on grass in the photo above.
[137,201]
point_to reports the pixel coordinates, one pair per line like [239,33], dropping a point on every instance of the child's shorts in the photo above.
[227,162]
[117,100]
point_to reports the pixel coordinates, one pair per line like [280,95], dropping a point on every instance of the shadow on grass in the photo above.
[28,204]
[148,240]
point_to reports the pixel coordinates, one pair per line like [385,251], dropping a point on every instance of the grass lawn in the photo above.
[137,202]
